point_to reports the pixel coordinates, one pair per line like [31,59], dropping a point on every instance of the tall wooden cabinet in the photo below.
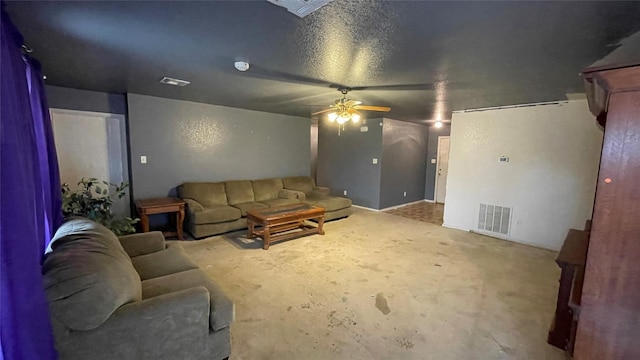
[609,319]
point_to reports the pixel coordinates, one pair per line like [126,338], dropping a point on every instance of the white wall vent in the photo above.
[301,8]
[175,82]
[494,218]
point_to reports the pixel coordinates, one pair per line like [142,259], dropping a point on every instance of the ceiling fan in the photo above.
[346,109]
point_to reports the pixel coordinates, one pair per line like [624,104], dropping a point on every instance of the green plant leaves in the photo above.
[94,202]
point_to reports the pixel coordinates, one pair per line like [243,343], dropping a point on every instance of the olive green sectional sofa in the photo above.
[135,297]
[218,207]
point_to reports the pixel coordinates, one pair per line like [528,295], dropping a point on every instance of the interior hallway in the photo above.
[379,286]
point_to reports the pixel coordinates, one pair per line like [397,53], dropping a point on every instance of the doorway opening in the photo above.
[91,144]
[442,166]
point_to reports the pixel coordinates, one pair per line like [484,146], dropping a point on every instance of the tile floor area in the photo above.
[423,211]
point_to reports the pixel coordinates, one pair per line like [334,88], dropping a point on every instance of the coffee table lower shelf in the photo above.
[284,224]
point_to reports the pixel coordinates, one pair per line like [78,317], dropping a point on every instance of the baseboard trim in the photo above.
[456,228]
[364,208]
[401,205]
[429,201]
[496,236]
[539,246]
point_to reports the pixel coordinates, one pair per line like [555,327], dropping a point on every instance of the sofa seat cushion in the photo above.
[330,203]
[161,263]
[222,311]
[208,194]
[266,189]
[248,206]
[280,202]
[239,192]
[88,275]
[216,214]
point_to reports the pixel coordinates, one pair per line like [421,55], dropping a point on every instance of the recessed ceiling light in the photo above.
[172,81]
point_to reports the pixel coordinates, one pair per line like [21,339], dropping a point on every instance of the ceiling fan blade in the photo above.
[322,111]
[372,108]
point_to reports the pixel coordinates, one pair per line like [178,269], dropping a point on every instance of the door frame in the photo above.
[435,188]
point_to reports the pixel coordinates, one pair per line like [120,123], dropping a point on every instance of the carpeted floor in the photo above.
[379,286]
[422,211]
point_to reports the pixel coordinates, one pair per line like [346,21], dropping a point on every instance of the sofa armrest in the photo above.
[319,191]
[143,243]
[193,205]
[291,194]
[170,326]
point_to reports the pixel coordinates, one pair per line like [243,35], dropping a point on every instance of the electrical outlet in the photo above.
[143,159]
[375,161]
[405,194]
[345,193]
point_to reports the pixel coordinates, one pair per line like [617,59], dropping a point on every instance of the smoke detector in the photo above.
[241,65]
[175,82]
[301,8]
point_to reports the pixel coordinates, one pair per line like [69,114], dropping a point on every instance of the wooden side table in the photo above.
[164,205]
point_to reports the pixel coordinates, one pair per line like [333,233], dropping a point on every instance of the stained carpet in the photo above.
[379,286]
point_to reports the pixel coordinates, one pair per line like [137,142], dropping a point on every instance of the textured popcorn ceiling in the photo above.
[426,58]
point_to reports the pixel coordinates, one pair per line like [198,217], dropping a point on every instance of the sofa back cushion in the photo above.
[299,183]
[88,275]
[239,191]
[206,193]
[266,189]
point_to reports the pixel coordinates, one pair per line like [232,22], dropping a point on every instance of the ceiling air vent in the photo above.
[301,8]
[172,81]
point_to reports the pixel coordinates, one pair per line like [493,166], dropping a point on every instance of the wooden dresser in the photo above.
[609,322]
[571,259]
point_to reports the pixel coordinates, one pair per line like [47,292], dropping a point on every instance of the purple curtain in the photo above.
[30,201]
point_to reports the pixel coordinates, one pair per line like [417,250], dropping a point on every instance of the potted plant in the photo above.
[93,200]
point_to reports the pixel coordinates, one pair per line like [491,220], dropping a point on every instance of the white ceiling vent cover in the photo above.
[172,81]
[301,8]
[494,218]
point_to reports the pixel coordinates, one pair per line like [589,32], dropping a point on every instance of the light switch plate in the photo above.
[143,159]
[433,161]
[375,161]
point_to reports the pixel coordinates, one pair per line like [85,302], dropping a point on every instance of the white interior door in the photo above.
[90,144]
[443,168]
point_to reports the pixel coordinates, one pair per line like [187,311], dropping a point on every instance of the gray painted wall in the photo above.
[188,141]
[345,161]
[404,160]
[85,100]
[432,153]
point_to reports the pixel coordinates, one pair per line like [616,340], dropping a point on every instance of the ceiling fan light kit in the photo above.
[346,109]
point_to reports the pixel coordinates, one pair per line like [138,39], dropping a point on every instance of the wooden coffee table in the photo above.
[282,222]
